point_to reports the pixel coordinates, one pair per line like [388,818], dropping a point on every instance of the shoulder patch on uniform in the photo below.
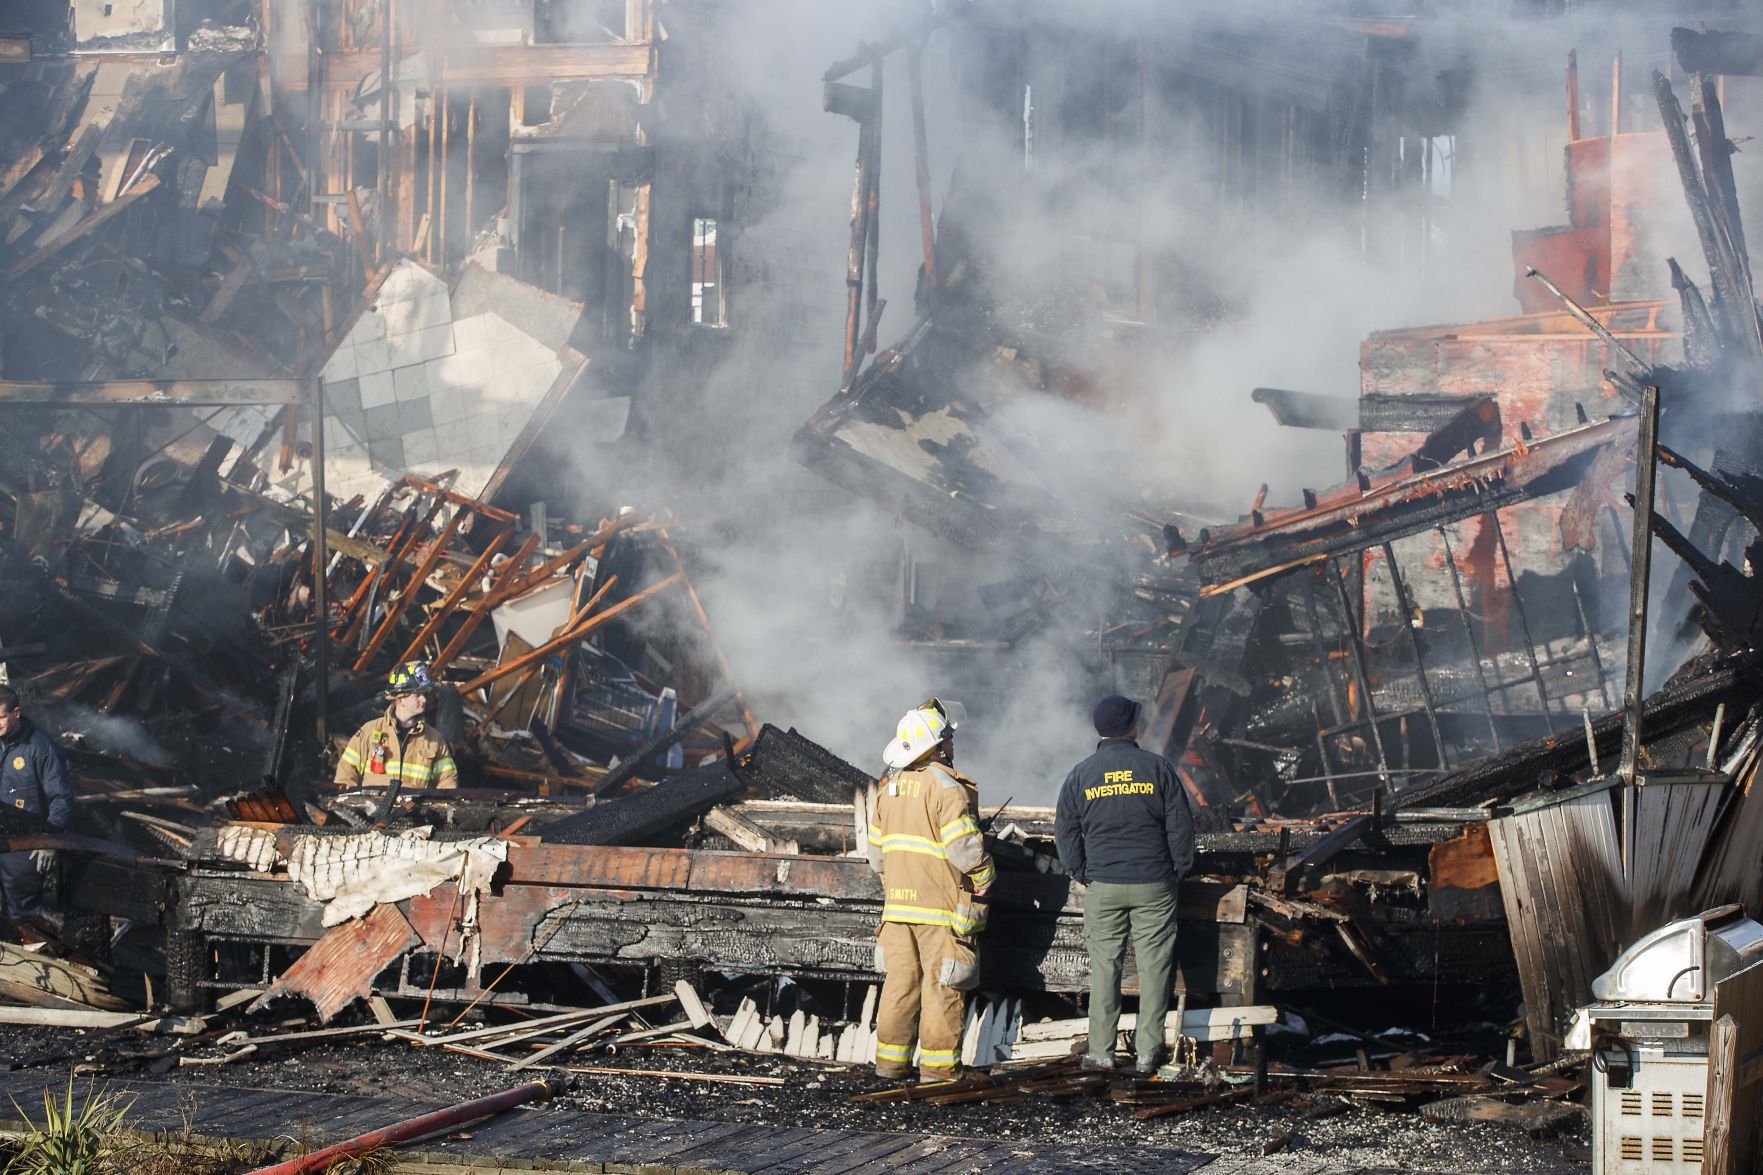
[945,777]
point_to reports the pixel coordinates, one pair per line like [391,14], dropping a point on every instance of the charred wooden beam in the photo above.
[1353,518]
[1288,873]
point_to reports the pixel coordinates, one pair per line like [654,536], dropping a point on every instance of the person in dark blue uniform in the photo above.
[32,779]
[1125,831]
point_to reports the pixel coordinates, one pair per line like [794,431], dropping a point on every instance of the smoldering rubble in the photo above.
[529,342]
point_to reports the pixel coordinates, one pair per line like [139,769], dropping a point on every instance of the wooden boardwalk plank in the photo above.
[598,1140]
[767,1153]
[744,1139]
[854,1150]
[963,1153]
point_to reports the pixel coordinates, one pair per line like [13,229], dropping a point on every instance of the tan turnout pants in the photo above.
[927,971]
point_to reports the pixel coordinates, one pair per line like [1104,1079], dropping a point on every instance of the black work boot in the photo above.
[1098,1064]
[1148,1066]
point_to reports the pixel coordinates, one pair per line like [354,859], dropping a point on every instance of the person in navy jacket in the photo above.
[33,779]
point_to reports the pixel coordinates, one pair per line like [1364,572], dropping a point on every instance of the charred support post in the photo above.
[1530,648]
[1407,610]
[321,645]
[872,215]
[1357,648]
[1633,687]
[1481,678]
[864,107]
[1313,614]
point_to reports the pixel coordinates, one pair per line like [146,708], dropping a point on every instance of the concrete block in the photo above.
[402,348]
[377,390]
[381,423]
[471,334]
[372,356]
[387,453]
[446,404]
[343,398]
[421,447]
[456,440]
[414,414]
[370,326]
[341,365]
[431,309]
[410,383]
[433,342]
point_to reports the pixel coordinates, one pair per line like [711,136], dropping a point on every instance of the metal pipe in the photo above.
[1407,609]
[1633,688]
[1360,674]
[411,1128]
[1530,649]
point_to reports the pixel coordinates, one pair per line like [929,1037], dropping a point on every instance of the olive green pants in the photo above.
[1113,911]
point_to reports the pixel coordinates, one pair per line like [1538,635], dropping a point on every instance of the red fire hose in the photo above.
[411,1128]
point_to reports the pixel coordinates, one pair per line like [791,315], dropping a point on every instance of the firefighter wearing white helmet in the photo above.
[925,841]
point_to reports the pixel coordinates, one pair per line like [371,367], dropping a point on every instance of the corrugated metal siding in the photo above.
[1562,886]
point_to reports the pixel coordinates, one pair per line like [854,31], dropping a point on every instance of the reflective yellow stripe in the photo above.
[900,842]
[892,1052]
[956,829]
[987,871]
[442,766]
[937,1056]
[352,757]
[928,916]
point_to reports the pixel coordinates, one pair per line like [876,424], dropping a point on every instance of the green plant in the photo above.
[73,1138]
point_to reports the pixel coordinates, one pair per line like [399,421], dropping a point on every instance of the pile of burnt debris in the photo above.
[1438,775]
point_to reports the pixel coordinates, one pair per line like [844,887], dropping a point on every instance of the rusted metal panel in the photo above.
[1463,879]
[341,966]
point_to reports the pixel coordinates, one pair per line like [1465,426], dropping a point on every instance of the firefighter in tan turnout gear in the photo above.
[924,840]
[398,749]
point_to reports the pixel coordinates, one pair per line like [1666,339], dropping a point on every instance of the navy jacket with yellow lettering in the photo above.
[1123,816]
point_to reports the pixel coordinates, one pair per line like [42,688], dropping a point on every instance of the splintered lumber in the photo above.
[691,1004]
[341,966]
[1202,1024]
[89,1018]
[592,1028]
[738,1025]
[86,226]
[1240,1094]
[560,1020]
[1535,1115]
[994,1081]
[740,830]
[27,977]
[319,1033]
[709,1078]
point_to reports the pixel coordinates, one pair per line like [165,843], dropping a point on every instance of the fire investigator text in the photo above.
[1120,783]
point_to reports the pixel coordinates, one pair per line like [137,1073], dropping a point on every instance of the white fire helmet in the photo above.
[919,732]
